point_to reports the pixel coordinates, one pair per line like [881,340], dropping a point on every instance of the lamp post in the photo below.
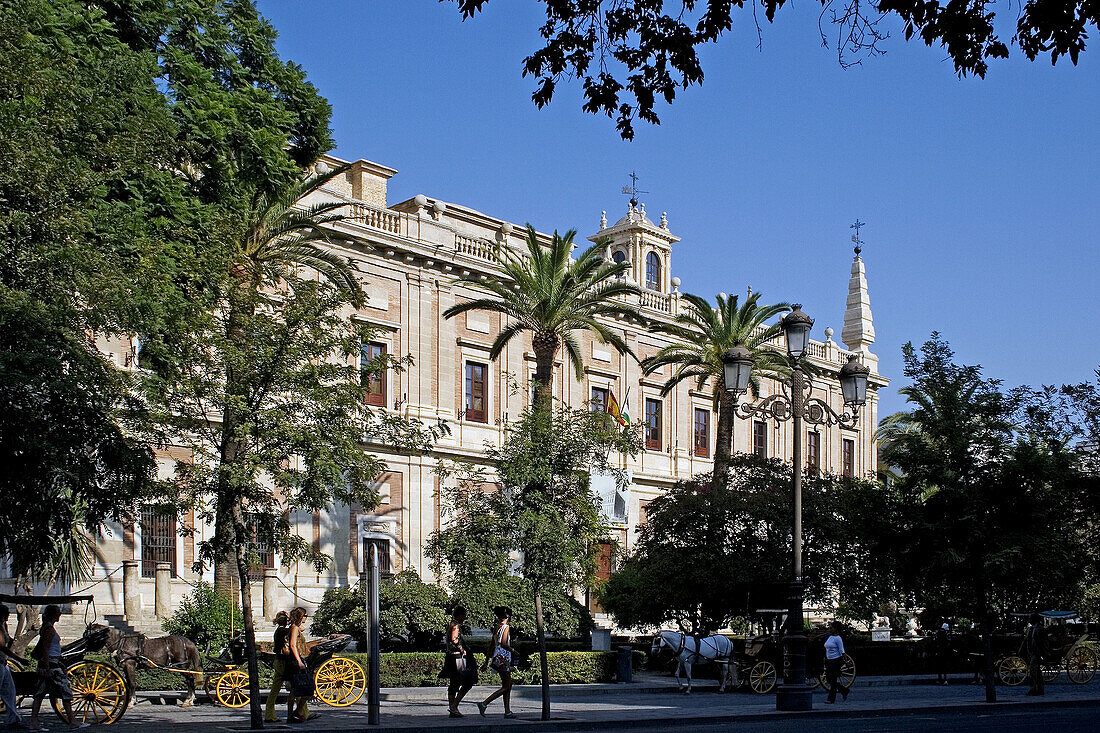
[799,407]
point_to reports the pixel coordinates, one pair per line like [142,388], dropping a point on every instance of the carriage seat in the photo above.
[754,646]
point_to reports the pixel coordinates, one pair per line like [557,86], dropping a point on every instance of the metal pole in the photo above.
[794,694]
[374,612]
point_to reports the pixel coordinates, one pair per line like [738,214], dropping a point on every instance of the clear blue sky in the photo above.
[980,196]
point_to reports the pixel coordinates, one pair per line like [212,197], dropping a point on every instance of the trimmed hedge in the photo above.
[420,669]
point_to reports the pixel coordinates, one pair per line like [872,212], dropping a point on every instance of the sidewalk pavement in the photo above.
[651,703]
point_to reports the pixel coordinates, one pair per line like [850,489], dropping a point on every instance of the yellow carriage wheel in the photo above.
[99,694]
[14,666]
[340,682]
[762,677]
[210,683]
[232,689]
[1081,665]
[1012,670]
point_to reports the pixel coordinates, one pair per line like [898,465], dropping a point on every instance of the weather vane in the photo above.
[632,190]
[855,237]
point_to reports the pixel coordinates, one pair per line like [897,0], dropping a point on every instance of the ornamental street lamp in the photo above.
[799,407]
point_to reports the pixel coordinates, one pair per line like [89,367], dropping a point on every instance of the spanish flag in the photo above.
[616,412]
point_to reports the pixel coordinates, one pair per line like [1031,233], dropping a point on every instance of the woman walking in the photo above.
[279,647]
[834,657]
[458,666]
[301,681]
[500,659]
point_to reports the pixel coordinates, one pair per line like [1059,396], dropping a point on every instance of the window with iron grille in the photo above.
[702,432]
[383,546]
[813,450]
[158,540]
[374,381]
[475,392]
[653,271]
[760,438]
[600,396]
[653,432]
[849,457]
[261,552]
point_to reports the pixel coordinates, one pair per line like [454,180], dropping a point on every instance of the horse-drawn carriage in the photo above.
[1067,649]
[338,681]
[100,692]
[754,664]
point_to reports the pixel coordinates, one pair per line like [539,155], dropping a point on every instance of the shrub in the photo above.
[421,669]
[413,613]
[205,617]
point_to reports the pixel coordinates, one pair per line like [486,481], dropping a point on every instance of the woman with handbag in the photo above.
[500,659]
[279,647]
[297,671]
[458,664]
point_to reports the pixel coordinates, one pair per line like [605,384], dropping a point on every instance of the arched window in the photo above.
[653,271]
[619,256]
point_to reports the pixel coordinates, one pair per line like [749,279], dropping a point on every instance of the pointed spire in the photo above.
[859,328]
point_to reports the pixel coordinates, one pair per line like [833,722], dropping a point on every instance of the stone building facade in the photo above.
[409,254]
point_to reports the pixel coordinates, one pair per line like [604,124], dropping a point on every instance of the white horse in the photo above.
[691,650]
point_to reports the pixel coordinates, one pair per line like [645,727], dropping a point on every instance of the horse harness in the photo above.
[697,654]
[138,657]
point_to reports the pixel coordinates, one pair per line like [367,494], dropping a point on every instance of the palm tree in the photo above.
[703,334]
[547,293]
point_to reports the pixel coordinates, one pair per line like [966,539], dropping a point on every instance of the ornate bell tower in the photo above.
[645,245]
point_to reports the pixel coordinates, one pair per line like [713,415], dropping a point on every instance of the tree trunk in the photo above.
[723,448]
[545,346]
[543,666]
[225,525]
[254,706]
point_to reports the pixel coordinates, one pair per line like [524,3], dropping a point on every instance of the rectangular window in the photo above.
[475,392]
[261,551]
[599,399]
[653,433]
[849,457]
[158,540]
[702,433]
[383,546]
[813,450]
[374,381]
[760,438]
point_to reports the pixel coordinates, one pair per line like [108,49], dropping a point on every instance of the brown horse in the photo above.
[136,651]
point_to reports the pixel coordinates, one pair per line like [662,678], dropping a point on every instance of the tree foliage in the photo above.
[702,335]
[92,224]
[628,54]
[706,556]
[995,518]
[549,294]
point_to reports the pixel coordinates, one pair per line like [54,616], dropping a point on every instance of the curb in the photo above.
[567,725]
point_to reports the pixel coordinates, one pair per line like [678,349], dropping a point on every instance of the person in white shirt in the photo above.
[834,654]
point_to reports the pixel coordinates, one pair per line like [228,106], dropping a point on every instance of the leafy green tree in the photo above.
[993,515]
[539,520]
[629,53]
[702,335]
[705,557]
[546,292]
[92,226]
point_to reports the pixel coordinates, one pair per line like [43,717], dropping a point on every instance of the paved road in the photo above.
[1060,719]
[910,707]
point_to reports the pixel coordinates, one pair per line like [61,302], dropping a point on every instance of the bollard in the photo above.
[626,659]
[131,600]
[163,587]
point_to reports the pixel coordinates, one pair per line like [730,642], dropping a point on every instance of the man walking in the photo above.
[1036,648]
